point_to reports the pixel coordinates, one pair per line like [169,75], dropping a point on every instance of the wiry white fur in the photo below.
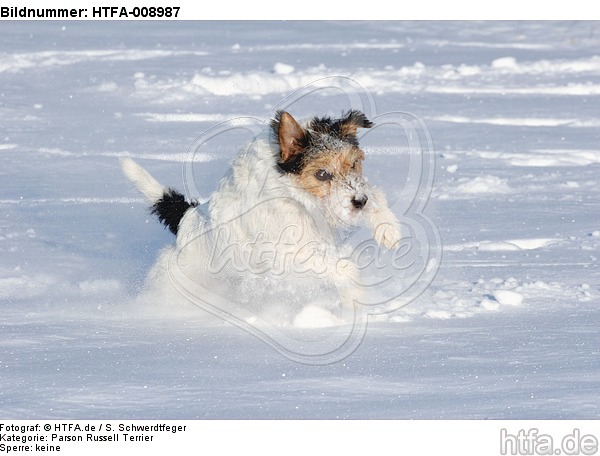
[256,206]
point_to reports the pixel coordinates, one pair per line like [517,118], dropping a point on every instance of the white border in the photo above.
[304,438]
[349,10]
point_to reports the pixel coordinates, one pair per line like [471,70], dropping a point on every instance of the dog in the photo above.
[274,219]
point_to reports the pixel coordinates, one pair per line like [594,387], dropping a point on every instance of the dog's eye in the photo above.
[323,175]
[355,164]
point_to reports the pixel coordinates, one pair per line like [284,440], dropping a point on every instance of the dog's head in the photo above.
[323,158]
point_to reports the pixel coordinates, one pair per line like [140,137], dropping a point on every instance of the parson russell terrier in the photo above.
[275,216]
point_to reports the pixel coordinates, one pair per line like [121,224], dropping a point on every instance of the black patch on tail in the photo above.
[171,208]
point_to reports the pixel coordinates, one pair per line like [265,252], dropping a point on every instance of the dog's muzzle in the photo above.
[359,202]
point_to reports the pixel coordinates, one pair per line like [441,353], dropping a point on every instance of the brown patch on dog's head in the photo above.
[349,124]
[322,171]
[291,137]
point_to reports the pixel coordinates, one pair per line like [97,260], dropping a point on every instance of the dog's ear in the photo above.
[290,134]
[353,120]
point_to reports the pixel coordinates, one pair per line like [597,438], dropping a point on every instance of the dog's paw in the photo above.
[388,235]
[346,271]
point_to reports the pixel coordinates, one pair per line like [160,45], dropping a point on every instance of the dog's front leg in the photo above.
[381,220]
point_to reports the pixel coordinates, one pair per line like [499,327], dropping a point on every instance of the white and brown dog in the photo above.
[274,218]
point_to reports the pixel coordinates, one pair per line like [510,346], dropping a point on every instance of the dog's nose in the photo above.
[359,203]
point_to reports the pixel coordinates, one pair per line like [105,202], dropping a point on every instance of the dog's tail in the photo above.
[167,204]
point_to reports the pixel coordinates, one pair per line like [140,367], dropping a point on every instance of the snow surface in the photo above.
[509,327]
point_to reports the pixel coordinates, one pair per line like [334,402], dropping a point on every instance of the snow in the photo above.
[508,328]
[282,68]
[314,316]
[508,297]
